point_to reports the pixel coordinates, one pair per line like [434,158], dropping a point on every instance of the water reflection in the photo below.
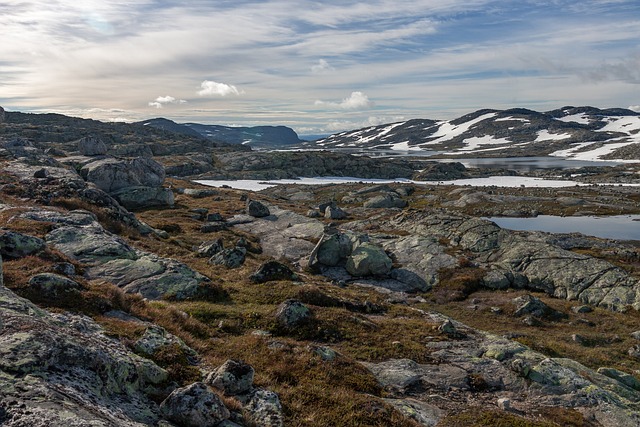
[619,227]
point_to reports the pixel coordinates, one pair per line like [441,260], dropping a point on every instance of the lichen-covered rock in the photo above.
[257,209]
[156,337]
[92,146]
[385,201]
[18,245]
[52,285]
[230,258]
[194,406]
[273,270]
[368,260]
[113,174]
[334,248]
[232,378]
[335,213]
[63,370]
[408,277]
[90,244]
[134,198]
[292,313]
[264,409]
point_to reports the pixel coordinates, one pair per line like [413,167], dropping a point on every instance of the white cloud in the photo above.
[635,108]
[322,67]
[160,101]
[355,101]
[211,88]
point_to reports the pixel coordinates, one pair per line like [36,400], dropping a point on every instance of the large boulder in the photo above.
[385,201]
[194,406]
[292,313]
[368,260]
[134,198]
[273,270]
[111,174]
[50,285]
[257,209]
[264,409]
[18,245]
[232,378]
[92,146]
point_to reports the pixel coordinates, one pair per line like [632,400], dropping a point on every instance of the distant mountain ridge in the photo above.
[585,133]
[254,136]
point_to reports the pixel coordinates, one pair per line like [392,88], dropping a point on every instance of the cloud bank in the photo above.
[161,101]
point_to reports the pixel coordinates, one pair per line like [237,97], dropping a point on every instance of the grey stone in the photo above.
[212,227]
[582,309]
[334,213]
[194,406]
[53,285]
[230,258]
[214,217]
[368,260]
[210,248]
[92,146]
[139,197]
[65,268]
[333,248]
[408,277]
[156,338]
[199,193]
[257,209]
[530,305]
[232,378]
[264,409]
[385,201]
[111,174]
[622,377]
[423,413]
[273,270]
[292,313]
[18,245]
[636,335]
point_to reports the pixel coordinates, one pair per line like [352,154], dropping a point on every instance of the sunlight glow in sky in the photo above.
[315,66]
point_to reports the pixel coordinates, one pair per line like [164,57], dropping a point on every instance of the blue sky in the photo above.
[315,66]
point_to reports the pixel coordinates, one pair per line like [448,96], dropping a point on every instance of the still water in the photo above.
[619,227]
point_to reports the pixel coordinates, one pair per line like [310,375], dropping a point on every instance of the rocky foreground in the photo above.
[328,305]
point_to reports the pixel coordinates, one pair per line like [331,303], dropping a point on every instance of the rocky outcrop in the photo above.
[18,245]
[62,370]
[514,260]
[78,235]
[503,370]
[368,259]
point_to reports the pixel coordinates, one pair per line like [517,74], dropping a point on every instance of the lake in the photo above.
[619,227]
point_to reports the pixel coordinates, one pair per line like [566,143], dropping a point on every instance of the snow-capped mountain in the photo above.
[585,133]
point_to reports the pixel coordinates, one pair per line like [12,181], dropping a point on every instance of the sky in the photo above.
[318,67]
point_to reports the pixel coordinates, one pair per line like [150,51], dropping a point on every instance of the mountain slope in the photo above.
[586,133]
[256,136]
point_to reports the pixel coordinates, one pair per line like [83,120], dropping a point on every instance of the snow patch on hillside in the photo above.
[545,135]
[624,124]
[476,142]
[448,131]
[577,118]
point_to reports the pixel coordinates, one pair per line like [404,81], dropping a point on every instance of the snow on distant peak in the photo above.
[583,119]
[476,142]
[448,131]
[624,124]
[545,135]
[513,119]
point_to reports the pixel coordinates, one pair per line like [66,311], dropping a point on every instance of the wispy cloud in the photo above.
[160,101]
[211,88]
[355,101]
[322,67]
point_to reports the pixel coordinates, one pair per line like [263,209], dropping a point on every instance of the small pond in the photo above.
[619,227]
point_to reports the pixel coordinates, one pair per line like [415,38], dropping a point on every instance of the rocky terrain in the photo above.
[572,132]
[129,297]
